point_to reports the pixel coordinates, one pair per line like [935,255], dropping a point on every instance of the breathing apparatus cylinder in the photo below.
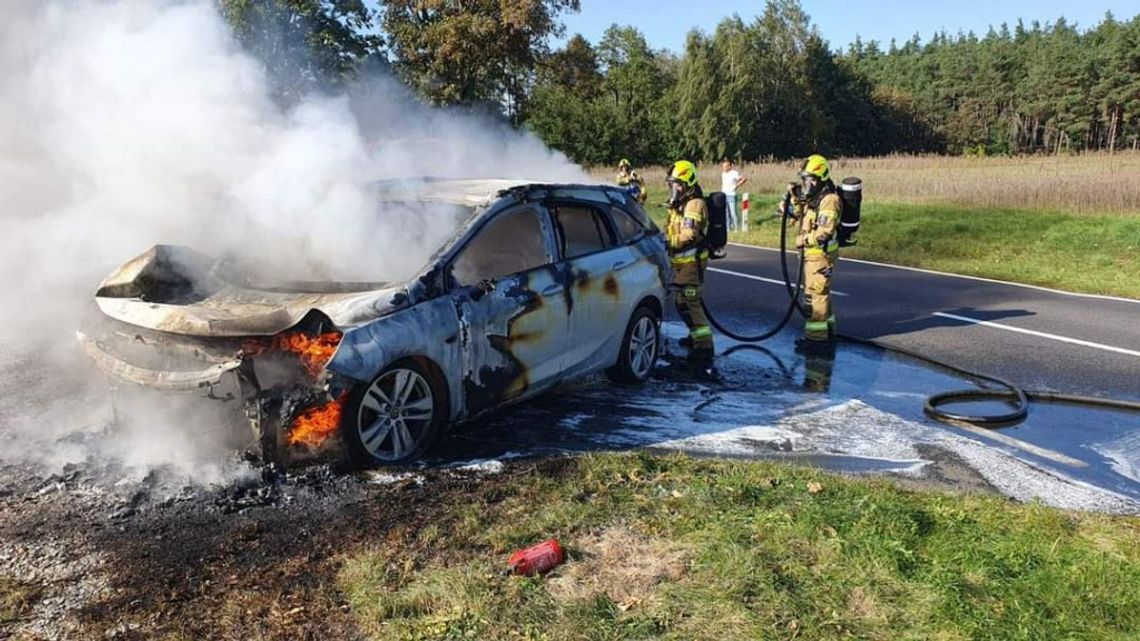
[851,191]
[716,238]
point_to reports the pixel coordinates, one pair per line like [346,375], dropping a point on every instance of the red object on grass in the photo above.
[537,559]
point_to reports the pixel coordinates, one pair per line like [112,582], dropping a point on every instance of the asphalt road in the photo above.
[1035,337]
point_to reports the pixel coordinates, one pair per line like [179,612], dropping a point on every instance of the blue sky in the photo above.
[665,22]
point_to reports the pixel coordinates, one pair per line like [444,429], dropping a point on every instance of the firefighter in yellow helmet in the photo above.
[817,207]
[685,233]
[628,178]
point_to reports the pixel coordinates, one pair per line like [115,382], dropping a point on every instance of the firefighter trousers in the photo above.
[687,281]
[818,271]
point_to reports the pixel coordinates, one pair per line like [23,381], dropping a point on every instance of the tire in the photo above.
[395,417]
[639,348]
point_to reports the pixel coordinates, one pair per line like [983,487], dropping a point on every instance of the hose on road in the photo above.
[793,295]
[1006,391]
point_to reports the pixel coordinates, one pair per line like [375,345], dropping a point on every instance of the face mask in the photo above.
[676,193]
[811,185]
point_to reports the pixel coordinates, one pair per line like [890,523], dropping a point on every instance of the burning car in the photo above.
[538,284]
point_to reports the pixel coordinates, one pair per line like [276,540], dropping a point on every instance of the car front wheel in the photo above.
[395,418]
[639,347]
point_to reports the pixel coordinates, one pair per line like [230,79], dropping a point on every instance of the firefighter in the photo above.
[817,207]
[628,178]
[685,233]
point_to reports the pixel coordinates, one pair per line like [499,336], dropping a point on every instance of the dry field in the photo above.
[1087,184]
[1074,220]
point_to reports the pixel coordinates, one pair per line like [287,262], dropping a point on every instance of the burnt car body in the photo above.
[539,284]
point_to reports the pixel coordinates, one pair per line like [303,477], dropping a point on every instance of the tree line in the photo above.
[768,86]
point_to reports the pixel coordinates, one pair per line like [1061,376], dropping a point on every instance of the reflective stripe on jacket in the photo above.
[818,227]
[632,180]
[685,231]
[689,256]
[625,179]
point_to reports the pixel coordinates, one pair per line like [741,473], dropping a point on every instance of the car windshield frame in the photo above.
[475,212]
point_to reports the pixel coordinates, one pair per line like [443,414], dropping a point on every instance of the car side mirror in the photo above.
[482,288]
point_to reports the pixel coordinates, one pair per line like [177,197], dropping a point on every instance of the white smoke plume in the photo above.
[125,123]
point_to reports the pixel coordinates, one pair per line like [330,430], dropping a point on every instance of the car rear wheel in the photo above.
[395,418]
[639,348]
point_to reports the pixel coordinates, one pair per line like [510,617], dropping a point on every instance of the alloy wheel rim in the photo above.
[643,347]
[395,414]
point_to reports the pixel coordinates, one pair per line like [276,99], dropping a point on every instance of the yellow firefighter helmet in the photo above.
[683,172]
[816,165]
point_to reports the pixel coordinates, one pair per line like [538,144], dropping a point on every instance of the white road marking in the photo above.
[1005,439]
[762,279]
[1055,337]
[979,278]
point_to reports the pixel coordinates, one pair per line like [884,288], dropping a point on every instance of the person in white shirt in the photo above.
[730,179]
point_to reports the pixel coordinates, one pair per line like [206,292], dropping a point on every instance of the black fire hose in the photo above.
[1006,391]
[793,294]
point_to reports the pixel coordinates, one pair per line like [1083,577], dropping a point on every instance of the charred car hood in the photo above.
[181,291]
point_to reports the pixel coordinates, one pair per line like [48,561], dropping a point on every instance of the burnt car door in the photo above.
[596,261]
[512,308]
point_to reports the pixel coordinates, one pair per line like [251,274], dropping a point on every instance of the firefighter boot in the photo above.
[692,311]
[819,327]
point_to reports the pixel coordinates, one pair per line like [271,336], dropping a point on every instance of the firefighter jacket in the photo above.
[625,179]
[819,224]
[685,232]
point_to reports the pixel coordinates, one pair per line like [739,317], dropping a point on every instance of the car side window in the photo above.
[583,231]
[626,225]
[638,212]
[510,243]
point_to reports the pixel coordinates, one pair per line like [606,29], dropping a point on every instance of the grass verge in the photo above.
[15,601]
[1081,253]
[679,548]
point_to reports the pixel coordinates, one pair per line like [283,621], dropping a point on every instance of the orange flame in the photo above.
[314,425]
[314,351]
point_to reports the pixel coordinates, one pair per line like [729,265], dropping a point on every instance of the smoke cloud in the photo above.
[125,123]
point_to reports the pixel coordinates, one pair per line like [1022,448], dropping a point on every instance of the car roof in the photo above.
[470,192]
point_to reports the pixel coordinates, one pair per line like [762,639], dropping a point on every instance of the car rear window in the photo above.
[583,230]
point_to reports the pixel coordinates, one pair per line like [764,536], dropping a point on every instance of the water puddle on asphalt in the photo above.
[859,412]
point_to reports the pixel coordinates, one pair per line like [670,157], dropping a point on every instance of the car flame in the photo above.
[315,425]
[314,351]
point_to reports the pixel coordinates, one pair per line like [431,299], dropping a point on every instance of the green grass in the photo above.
[746,550]
[1074,252]
[15,600]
